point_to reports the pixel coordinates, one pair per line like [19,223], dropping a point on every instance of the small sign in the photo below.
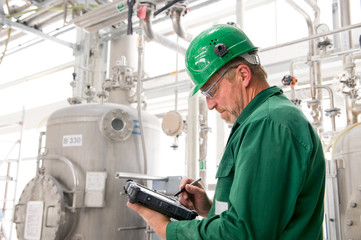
[33,220]
[72,140]
[95,189]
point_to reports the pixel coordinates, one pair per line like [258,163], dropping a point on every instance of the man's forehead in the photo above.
[210,81]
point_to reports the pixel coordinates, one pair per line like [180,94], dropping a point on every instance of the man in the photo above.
[271,177]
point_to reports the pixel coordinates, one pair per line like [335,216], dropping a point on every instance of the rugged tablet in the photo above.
[154,200]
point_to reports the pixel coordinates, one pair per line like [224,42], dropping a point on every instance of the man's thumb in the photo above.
[190,188]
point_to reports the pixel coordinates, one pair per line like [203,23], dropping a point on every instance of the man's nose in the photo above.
[210,103]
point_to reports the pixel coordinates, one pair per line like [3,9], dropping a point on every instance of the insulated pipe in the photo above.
[41,11]
[146,24]
[101,14]
[175,16]
[110,21]
[45,19]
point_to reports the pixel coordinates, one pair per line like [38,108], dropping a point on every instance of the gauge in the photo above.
[322,28]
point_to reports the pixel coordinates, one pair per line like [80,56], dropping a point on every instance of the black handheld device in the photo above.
[154,200]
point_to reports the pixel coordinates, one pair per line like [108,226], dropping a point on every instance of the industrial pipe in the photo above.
[311,45]
[175,15]
[103,16]
[68,163]
[333,112]
[345,21]
[126,175]
[342,29]
[139,102]
[14,10]
[316,10]
[192,132]
[146,24]
[203,140]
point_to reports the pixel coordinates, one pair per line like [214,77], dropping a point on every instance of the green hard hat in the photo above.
[213,48]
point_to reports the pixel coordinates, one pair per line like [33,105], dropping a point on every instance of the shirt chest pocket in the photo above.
[225,176]
[226,167]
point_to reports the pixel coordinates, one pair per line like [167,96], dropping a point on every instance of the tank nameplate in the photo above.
[73,140]
[117,125]
[95,189]
[33,219]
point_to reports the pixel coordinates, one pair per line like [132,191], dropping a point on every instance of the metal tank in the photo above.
[75,194]
[347,188]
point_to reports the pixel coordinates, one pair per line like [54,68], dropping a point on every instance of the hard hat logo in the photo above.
[220,50]
[213,48]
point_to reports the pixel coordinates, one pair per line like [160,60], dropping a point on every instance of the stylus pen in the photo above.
[183,189]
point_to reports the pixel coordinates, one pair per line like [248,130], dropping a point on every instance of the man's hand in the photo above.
[154,219]
[195,197]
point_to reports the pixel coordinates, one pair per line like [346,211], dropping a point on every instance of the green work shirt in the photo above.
[271,178]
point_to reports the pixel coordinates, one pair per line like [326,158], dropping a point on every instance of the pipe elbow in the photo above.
[175,16]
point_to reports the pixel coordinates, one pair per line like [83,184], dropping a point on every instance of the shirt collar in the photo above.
[260,98]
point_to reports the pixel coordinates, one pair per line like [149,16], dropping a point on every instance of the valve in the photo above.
[289,80]
[333,112]
[327,43]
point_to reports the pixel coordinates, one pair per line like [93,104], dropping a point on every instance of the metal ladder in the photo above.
[9,170]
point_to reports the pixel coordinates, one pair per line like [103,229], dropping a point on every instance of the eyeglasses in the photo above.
[208,93]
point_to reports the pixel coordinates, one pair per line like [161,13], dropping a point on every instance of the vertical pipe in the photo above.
[349,114]
[311,46]
[220,138]
[317,64]
[332,105]
[139,101]
[117,52]
[203,136]
[345,21]
[192,137]
[349,67]
[2,4]
[336,23]
[81,64]
[240,13]
[292,66]
[100,65]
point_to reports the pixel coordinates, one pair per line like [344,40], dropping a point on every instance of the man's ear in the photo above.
[246,74]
